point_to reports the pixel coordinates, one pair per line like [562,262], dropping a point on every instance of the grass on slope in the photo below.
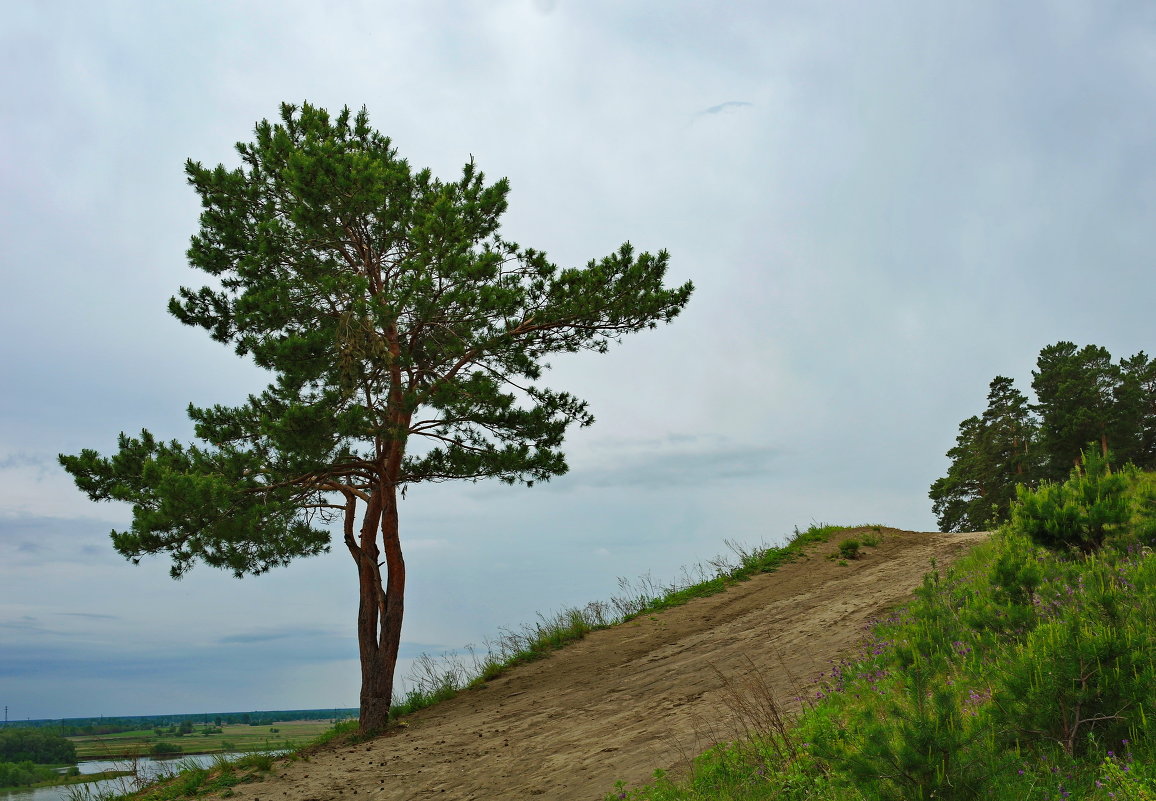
[1021,673]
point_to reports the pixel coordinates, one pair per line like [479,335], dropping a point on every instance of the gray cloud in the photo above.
[18,460]
[676,468]
[270,635]
[47,540]
[728,106]
[26,624]
[62,662]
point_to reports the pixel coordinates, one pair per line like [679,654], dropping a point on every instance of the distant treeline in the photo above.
[42,746]
[25,753]
[1082,397]
[71,727]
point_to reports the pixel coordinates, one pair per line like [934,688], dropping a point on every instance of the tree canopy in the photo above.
[1082,397]
[23,744]
[407,341]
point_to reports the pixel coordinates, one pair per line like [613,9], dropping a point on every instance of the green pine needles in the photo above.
[1082,511]
[406,338]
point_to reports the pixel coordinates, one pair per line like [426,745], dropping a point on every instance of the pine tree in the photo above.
[958,499]
[406,338]
[1133,429]
[1009,450]
[992,454]
[1075,400]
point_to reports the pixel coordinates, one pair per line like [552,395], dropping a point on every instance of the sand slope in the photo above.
[627,700]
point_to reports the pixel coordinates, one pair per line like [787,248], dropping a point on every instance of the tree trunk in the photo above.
[379,632]
[381,607]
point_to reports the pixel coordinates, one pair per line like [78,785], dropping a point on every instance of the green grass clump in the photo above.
[1022,672]
[750,564]
[872,537]
[343,732]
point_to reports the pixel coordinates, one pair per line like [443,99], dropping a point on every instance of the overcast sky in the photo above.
[883,205]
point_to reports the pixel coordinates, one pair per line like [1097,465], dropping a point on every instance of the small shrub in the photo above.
[849,549]
[24,773]
[1084,673]
[871,538]
[1081,512]
[162,748]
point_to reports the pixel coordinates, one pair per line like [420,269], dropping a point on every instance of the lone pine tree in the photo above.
[406,338]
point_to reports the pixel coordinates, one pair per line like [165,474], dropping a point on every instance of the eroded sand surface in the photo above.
[627,700]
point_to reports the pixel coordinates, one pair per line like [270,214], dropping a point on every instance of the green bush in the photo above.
[1002,604]
[849,549]
[872,538]
[24,774]
[165,749]
[21,744]
[1081,512]
[1083,677]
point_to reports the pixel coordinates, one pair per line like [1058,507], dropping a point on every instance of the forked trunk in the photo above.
[381,607]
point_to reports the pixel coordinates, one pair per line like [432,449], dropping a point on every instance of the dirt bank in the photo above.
[626,700]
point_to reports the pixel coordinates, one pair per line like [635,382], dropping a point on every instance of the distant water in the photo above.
[147,766]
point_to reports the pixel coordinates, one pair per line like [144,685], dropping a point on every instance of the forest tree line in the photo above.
[1082,396]
[35,745]
[73,727]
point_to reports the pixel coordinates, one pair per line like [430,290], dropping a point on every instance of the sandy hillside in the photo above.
[626,700]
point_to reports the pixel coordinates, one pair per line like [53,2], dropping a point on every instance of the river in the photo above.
[146,766]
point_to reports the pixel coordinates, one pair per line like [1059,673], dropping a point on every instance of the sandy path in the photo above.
[627,700]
